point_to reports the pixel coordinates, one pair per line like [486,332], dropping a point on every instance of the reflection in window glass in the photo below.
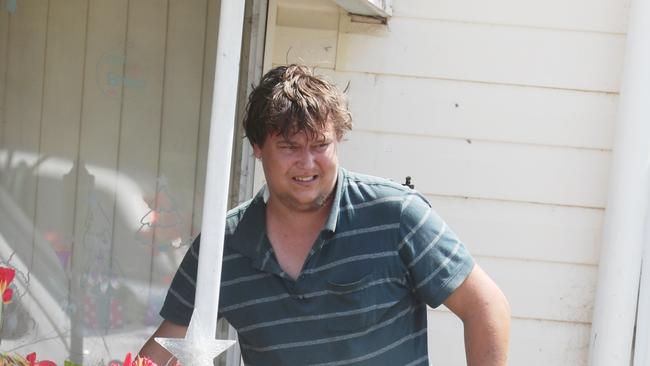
[105,110]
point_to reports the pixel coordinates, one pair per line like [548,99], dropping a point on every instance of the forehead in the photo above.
[327,133]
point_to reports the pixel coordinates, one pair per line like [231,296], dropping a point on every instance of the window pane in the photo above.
[105,109]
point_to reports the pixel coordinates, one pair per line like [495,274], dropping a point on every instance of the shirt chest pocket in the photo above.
[353,303]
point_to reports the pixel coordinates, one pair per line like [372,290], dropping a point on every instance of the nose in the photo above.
[306,159]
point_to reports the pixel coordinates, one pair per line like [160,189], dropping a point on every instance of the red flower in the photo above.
[6,295]
[139,361]
[6,276]
[31,358]
[143,361]
[127,361]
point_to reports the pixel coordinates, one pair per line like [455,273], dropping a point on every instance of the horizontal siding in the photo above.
[292,14]
[547,291]
[297,45]
[455,167]
[532,342]
[486,53]
[586,15]
[544,290]
[503,113]
[520,230]
[609,16]
[311,5]
[445,108]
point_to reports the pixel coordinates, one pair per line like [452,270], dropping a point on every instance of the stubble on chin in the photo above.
[318,203]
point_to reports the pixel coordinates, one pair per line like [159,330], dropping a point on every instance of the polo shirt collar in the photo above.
[250,237]
[332,219]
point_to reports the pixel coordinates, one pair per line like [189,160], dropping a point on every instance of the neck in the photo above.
[299,220]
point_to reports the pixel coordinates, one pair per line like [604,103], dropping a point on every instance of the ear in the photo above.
[257,150]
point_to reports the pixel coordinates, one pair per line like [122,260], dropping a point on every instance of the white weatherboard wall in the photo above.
[503,114]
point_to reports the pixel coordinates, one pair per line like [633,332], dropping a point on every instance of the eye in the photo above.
[322,146]
[289,147]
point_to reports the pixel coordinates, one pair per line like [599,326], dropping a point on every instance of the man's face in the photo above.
[300,171]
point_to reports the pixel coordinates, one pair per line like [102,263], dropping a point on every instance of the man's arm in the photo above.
[485,313]
[155,351]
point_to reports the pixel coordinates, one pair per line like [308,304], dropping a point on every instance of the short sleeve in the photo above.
[436,260]
[179,303]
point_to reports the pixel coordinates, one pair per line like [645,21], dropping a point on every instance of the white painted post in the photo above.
[638,19]
[620,258]
[199,346]
[642,340]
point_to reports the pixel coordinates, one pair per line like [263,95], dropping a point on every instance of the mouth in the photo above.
[305,178]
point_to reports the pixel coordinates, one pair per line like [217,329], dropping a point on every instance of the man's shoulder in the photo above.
[364,183]
[239,209]
[364,190]
[234,215]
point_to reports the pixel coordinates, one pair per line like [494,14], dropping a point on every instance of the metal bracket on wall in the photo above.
[407,183]
[371,8]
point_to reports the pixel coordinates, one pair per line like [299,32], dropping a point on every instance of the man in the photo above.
[329,267]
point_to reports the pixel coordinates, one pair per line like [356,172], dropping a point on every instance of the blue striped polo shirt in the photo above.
[361,297]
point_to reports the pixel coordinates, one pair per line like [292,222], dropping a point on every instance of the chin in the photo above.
[310,205]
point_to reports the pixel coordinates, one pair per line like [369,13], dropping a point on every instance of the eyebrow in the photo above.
[285,142]
[323,139]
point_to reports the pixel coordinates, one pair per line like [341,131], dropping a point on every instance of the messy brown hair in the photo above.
[291,99]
